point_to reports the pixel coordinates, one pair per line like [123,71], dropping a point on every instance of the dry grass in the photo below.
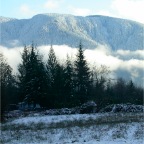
[100,125]
[110,118]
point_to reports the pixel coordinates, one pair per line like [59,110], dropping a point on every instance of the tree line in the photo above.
[55,85]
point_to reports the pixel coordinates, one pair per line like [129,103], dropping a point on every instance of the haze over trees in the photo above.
[55,85]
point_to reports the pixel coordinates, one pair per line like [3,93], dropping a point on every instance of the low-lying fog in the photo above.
[122,63]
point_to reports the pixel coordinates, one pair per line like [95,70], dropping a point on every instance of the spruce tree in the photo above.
[52,72]
[59,87]
[8,86]
[131,95]
[52,65]
[82,76]
[23,69]
[32,77]
[55,73]
[120,90]
[69,82]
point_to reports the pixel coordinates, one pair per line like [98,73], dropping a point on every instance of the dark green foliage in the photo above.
[99,85]
[55,85]
[8,86]
[56,81]
[131,91]
[23,69]
[51,68]
[120,89]
[69,83]
[82,76]
[122,92]
[32,77]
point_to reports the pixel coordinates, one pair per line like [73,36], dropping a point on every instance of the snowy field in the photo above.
[106,128]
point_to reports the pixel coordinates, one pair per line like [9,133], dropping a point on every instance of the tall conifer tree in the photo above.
[52,69]
[23,69]
[82,75]
[68,81]
[32,77]
[8,86]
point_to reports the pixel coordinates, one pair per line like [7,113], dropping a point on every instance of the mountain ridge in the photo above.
[65,29]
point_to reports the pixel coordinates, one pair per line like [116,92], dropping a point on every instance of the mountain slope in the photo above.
[59,29]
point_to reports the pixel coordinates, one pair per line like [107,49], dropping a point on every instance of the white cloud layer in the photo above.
[13,56]
[80,11]
[129,9]
[131,54]
[132,9]
[130,68]
[25,10]
[51,4]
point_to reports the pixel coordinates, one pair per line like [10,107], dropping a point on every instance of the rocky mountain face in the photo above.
[58,29]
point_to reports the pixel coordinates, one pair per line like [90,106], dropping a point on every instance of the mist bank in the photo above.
[122,63]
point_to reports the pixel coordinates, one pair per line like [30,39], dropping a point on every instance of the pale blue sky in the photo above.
[129,9]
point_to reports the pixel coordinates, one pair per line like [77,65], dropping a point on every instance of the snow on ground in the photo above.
[55,119]
[77,129]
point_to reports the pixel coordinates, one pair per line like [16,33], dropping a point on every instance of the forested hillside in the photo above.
[69,30]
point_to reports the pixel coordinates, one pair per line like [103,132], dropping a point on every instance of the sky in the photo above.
[21,9]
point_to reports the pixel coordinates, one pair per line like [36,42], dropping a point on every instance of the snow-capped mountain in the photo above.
[58,29]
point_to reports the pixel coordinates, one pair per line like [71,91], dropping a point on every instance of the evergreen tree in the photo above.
[138,96]
[59,87]
[52,72]
[69,82]
[32,76]
[130,92]
[8,86]
[120,91]
[82,76]
[23,69]
[52,65]
[134,94]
